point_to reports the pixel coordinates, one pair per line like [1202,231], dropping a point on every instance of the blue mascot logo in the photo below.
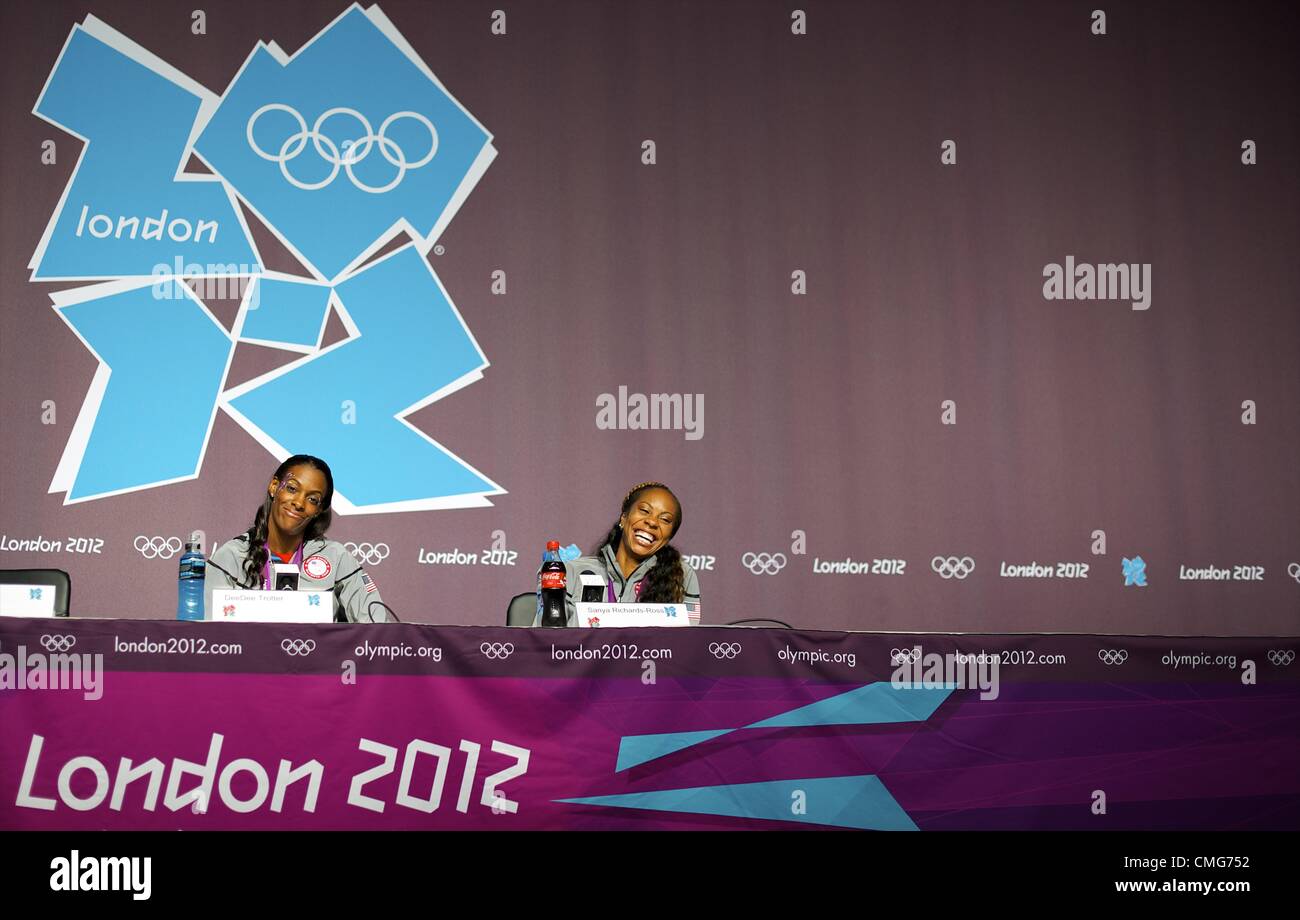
[337,149]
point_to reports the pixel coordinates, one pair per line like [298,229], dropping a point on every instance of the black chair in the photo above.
[55,579]
[522,609]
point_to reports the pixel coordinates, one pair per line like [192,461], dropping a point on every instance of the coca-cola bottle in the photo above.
[551,582]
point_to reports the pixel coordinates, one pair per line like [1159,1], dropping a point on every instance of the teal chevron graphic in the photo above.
[859,802]
[877,703]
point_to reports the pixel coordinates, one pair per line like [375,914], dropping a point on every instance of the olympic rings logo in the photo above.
[722,650]
[500,650]
[348,153]
[298,646]
[763,563]
[904,655]
[952,566]
[58,643]
[1113,656]
[158,547]
[1281,658]
[1294,571]
[369,553]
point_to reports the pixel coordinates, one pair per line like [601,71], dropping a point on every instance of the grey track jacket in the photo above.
[606,564]
[355,597]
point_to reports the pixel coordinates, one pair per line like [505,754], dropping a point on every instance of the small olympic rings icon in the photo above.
[369,553]
[1113,656]
[763,563]
[501,650]
[298,646]
[904,655]
[1281,658]
[347,153]
[58,643]
[722,650]
[158,547]
[1294,571]
[952,566]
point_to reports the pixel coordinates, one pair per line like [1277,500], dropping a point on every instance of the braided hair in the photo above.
[665,583]
[255,562]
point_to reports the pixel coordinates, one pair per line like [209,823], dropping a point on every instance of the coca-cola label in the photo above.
[552,581]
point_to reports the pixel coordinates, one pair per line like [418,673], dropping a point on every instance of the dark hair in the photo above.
[257,555]
[665,583]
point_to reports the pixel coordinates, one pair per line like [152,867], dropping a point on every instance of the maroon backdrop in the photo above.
[779,152]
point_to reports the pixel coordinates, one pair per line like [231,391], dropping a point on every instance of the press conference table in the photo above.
[218,725]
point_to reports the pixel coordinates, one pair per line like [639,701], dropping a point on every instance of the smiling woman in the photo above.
[290,526]
[639,563]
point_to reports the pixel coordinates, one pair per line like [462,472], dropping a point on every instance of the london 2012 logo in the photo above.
[338,149]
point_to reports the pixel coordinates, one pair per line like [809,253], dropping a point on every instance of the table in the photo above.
[158,724]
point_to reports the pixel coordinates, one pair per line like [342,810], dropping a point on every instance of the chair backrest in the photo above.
[522,609]
[52,578]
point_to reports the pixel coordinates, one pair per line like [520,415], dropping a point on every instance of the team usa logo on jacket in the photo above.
[316,567]
[336,168]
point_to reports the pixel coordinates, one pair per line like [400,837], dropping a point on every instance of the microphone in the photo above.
[370,612]
[285,577]
[593,587]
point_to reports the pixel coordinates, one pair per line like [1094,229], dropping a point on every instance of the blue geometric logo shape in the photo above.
[859,802]
[345,143]
[338,148]
[286,312]
[150,410]
[128,207]
[1135,572]
[409,345]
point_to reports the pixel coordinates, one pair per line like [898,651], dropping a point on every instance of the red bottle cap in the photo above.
[552,544]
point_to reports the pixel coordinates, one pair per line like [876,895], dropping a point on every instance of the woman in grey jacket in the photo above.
[290,526]
[640,565]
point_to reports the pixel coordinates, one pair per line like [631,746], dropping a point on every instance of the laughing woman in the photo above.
[289,527]
[639,563]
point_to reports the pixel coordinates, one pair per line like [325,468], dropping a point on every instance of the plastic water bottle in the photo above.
[551,584]
[189,602]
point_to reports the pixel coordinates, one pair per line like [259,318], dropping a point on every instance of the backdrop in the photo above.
[936,316]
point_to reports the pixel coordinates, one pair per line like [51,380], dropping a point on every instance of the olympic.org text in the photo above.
[103,873]
[954,670]
[61,669]
[188,645]
[391,652]
[818,657]
[1171,658]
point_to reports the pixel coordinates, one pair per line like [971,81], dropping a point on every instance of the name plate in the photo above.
[272,607]
[26,600]
[632,615]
